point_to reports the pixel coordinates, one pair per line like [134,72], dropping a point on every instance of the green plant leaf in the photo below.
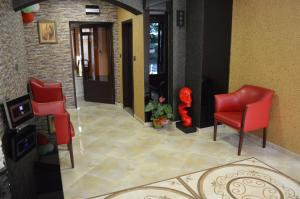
[149,107]
[170,116]
[159,110]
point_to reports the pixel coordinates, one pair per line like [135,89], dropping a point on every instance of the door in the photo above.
[96,58]
[127,64]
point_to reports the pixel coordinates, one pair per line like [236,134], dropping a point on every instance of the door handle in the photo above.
[85,63]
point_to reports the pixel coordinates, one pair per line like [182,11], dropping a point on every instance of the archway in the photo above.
[136,7]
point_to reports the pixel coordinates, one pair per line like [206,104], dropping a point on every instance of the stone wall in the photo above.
[13,63]
[52,62]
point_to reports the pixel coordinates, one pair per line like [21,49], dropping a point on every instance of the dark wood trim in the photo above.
[130,21]
[77,24]
[215,129]
[127,21]
[70,148]
[92,24]
[125,6]
[264,137]
[72,58]
[20,4]
[70,144]
[112,66]
[241,140]
[146,55]
[169,56]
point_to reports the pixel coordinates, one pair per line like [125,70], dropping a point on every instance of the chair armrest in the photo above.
[53,84]
[257,115]
[227,102]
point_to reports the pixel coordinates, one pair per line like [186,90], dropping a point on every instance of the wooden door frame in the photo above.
[73,24]
[123,25]
[83,60]
[72,63]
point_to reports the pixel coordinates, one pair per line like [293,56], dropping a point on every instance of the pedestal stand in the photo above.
[186,129]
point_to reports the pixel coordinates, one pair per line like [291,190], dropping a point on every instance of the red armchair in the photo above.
[63,127]
[245,110]
[45,92]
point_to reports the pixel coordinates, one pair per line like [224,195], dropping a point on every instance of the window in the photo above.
[157,54]
[153,51]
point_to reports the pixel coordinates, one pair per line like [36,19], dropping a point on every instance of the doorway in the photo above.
[92,60]
[158,66]
[127,62]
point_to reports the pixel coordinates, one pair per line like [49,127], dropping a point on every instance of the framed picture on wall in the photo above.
[47,32]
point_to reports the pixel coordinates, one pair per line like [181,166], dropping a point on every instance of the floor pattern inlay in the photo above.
[246,179]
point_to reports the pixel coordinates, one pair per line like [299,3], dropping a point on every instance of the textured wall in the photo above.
[136,4]
[52,62]
[179,52]
[13,64]
[138,64]
[265,52]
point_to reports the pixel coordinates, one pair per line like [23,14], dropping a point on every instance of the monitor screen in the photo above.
[18,111]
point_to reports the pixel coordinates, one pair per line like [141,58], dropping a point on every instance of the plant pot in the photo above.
[160,123]
[27,17]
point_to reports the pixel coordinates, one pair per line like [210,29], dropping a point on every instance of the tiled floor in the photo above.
[248,178]
[113,151]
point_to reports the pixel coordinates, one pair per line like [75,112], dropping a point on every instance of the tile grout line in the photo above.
[188,187]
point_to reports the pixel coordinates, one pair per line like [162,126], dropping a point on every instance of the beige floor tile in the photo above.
[113,151]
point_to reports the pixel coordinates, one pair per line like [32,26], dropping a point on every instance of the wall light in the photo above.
[180,18]
[92,10]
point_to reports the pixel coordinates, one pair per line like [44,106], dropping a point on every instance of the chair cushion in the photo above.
[233,119]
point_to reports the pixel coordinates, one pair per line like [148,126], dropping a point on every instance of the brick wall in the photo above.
[13,64]
[52,62]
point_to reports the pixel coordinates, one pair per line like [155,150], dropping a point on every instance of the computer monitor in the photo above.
[18,112]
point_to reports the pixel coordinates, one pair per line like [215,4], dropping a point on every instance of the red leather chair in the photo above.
[63,127]
[246,109]
[45,92]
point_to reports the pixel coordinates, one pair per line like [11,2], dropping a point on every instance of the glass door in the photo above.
[97,65]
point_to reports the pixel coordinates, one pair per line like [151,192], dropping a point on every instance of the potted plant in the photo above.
[161,113]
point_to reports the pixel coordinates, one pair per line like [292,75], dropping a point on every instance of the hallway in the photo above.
[113,151]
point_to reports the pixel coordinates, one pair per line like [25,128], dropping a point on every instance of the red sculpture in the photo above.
[185,96]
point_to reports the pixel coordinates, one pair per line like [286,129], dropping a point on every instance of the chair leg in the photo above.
[70,148]
[264,137]
[215,130]
[241,142]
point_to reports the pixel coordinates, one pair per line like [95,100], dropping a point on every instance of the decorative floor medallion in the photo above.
[247,179]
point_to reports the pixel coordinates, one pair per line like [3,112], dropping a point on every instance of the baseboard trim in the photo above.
[148,124]
[256,139]
[119,104]
[140,120]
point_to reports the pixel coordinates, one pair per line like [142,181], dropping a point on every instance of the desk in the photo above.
[33,176]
